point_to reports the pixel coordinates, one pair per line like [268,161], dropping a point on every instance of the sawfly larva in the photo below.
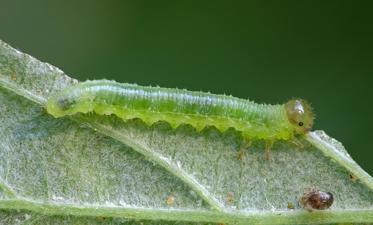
[175,106]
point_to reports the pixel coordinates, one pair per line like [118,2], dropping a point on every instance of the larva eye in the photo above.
[300,115]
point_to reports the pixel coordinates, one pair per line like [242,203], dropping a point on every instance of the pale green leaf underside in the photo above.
[90,169]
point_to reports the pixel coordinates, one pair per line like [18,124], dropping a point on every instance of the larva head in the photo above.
[300,115]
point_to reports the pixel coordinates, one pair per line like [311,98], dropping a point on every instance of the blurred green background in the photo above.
[269,51]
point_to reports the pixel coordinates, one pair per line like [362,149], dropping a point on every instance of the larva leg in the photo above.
[297,143]
[242,152]
[268,146]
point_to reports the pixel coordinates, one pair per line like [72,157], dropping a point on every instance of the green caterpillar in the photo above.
[175,106]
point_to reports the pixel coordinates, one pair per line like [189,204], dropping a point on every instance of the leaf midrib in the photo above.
[253,217]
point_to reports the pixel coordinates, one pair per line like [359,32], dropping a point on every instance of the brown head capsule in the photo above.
[300,115]
[316,199]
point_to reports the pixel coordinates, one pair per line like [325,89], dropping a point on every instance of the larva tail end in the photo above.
[59,106]
[300,115]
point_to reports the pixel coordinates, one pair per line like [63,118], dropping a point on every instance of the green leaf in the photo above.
[89,169]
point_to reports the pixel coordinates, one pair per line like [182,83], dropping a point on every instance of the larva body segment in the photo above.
[175,106]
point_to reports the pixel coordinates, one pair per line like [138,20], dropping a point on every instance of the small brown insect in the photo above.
[315,199]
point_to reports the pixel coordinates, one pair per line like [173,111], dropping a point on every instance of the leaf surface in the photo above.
[91,169]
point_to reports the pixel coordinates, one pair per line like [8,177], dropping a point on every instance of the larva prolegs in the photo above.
[268,145]
[243,149]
